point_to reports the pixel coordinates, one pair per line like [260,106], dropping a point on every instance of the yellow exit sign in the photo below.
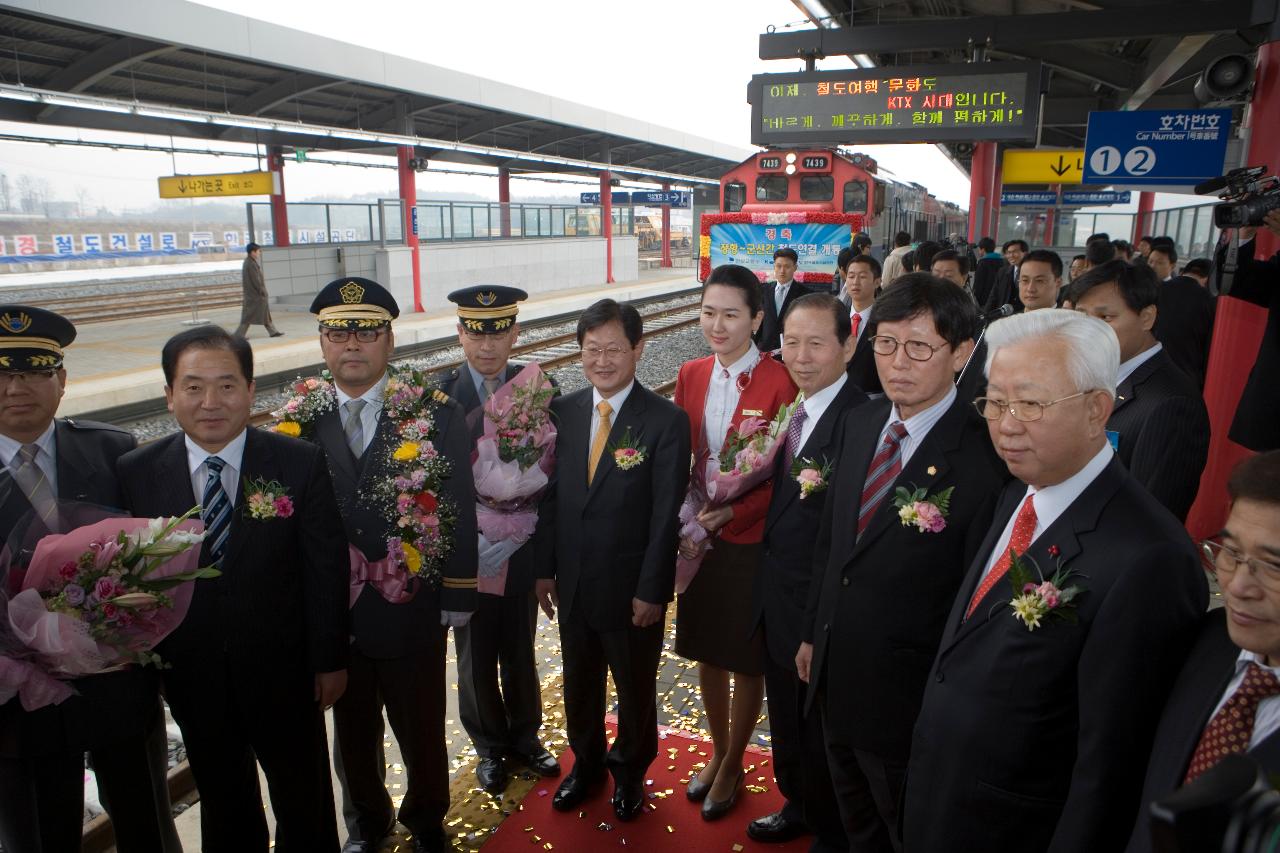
[1038,166]
[237,183]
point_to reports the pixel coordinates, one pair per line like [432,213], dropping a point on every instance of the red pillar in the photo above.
[666,231]
[1048,219]
[979,191]
[279,210]
[1146,203]
[606,224]
[1238,325]
[996,170]
[409,197]
[504,199]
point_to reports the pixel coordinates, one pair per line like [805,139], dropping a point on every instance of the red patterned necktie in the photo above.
[857,321]
[1024,530]
[885,468]
[1231,728]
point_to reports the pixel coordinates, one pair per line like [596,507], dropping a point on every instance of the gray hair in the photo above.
[1092,350]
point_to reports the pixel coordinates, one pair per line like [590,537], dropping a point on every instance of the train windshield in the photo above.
[735,195]
[855,197]
[771,188]
[817,188]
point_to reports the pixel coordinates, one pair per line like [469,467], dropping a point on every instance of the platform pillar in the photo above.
[996,170]
[279,210]
[666,231]
[606,224]
[979,187]
[409,198]
[504,200]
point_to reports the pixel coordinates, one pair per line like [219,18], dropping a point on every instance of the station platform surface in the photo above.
[117,363]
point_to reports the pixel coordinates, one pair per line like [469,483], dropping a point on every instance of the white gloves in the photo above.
[494,554]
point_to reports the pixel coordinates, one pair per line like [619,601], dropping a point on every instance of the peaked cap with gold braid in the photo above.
[488,309]
[354,303]
[32,338]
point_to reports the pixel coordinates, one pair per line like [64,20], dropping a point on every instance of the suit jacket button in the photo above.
[359,532]
[939,678]
[844,581]
[827,627]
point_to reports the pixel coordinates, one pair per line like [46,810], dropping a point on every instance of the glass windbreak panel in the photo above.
[461,217]
[771,188]
[817,188]
[735,195]
[480,222]
[349,223]
[1204,235]
[1118,225]
[1083,228]
[1185,227]
[307,224]
[855,197]
[431,222]
[557,221]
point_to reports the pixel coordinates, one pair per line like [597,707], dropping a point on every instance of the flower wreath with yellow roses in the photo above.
[406,483]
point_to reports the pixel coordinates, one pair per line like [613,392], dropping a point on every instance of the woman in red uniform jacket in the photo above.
[714,624]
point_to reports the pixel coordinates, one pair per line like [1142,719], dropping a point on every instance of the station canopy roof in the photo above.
[1100,54]
[177,68]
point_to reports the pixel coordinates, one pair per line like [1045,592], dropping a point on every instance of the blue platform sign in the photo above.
[615,198]
[675,198]
[1016,199]
[1085,197]
[1155,147]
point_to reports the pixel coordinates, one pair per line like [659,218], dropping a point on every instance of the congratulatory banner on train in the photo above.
[753,245]
[920,103]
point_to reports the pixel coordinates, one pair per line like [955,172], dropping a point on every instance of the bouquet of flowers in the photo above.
[746,460]
[311,398]
[512,464]
[105,594]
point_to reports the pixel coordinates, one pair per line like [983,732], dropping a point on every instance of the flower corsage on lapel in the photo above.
[627,453]
[928,512]
[266,499]
[810,476]
[1037,599]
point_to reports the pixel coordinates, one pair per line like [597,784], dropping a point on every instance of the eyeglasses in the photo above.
[611,352]
[26,377]
[916,350]
[341,336]
[993,409]
[1224,561]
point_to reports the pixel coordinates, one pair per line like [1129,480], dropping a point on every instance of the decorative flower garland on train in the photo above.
[406,488]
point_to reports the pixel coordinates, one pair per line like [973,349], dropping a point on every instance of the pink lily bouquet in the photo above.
[104,595]
[512,465]
[746,460]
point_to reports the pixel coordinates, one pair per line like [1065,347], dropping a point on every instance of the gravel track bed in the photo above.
[158,284]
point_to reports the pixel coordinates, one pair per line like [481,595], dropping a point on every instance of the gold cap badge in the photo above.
[352,293]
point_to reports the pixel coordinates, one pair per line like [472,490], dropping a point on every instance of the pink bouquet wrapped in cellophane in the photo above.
[511,465]
[745,461]
[105,594]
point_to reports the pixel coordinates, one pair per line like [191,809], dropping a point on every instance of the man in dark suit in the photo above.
[399,624]
[501,720]
[1037,714]
[871,625]
[49,467]
[1160,426]
[1228,691]
[1256,424]
[816,344]
[861,283]
[1185,320]
[778,294]
[1005,289]
[262,652]
[605,552]
[987,270]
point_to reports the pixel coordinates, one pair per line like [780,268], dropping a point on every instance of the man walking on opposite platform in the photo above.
[399,625]
[605,552]
[254,308]
[50,466]
[817,343]
[262,652]
[1071,622]
[501,716]
[911,494]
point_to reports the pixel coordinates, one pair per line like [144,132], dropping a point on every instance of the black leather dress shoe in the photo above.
[627,801]
[713,810]
[435,844]
[492,773]
[573,791]
[775,828]
[541,762]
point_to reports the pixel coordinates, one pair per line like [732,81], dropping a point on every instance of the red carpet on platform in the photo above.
[668,821]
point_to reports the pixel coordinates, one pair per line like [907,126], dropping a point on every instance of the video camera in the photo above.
[1249,196]
[1231,808]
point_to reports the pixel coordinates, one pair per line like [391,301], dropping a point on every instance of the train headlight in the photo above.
[791,158]
[791,168]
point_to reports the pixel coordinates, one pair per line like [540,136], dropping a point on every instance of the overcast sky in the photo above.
[679,63]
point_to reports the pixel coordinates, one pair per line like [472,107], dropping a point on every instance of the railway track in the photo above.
[101,308]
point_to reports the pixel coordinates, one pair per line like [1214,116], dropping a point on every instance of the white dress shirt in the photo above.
[1267,719]
[369,414]
[1128,367]
[815,406]
[46,456]
[615,403]
[918,425]
[723,395]
[1050,503]
[478,379]
[233,457]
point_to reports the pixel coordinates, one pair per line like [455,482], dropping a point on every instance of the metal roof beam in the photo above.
[1107,69]
[1169,65]
[113,56]
[279,92]
[1006,32]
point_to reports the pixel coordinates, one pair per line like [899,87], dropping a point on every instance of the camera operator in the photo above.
[1227,697]
[1257,420]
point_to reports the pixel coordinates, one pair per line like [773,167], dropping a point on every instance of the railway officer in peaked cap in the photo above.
[397,649]
[502,721]
[48,464]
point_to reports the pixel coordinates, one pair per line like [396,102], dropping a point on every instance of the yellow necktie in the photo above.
[601,437]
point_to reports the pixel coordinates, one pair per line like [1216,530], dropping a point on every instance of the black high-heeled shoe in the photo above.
[696,791]
[712,810]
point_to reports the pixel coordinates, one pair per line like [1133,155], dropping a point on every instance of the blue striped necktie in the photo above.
[216,512]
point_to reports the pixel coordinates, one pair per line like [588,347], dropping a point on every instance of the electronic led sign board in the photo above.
[923,103]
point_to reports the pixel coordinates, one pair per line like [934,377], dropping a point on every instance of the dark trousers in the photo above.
[868,787]
[235,715]
[800,758]
[500,720]
[413,690]
[631,654]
